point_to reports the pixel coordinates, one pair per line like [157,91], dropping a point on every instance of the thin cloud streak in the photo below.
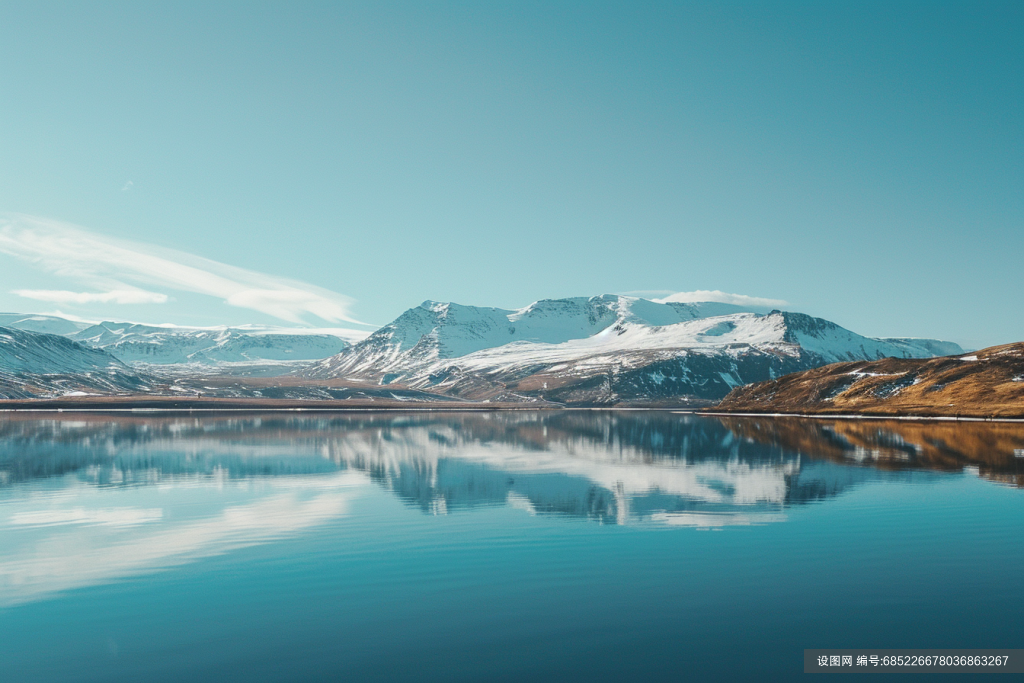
[115,266]
[702,295]
[117,296]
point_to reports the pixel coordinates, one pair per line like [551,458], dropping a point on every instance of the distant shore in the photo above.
[177,404]
[867,416]
[204,404]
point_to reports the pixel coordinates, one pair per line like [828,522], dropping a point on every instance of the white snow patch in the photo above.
[858,373]
[729,379]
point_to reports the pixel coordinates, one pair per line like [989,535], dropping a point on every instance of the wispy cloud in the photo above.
[720,297]
[117,296]
[127,186]
[117,269]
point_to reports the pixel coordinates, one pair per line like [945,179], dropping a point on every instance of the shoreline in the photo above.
[155,405]
[235,406]
[211,404]
[864,416]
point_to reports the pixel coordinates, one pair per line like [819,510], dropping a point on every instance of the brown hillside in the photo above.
[987,383]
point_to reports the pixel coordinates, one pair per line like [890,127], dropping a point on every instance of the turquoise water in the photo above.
[569,546]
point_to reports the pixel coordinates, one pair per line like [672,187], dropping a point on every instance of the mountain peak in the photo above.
[701,349]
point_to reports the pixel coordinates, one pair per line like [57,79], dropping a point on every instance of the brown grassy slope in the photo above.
[991,386]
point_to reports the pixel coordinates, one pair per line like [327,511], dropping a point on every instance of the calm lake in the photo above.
[507,546]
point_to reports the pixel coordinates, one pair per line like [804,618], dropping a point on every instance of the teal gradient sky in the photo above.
[861,161]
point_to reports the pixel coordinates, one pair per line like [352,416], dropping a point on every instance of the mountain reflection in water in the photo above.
[88,499]
[611,467]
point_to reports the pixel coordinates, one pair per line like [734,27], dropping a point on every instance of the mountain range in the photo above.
[166,345]
[604,350]
[34,364]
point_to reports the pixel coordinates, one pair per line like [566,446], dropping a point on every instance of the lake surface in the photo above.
[510,546]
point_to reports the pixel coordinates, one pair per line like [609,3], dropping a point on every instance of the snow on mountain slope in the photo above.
[591,346]
[191,346]
[438,331]
[34,364]
[835,343]
[923,348]
[161,345]
[37,353]
[604,350]
[48,324]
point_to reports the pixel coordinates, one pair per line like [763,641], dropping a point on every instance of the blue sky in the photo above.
[330,163]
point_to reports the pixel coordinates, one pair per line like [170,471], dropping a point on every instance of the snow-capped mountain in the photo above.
[933,346]
[38,364]
[442,331]
[191,346]
[49,324]
[603,350]
[134,343]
